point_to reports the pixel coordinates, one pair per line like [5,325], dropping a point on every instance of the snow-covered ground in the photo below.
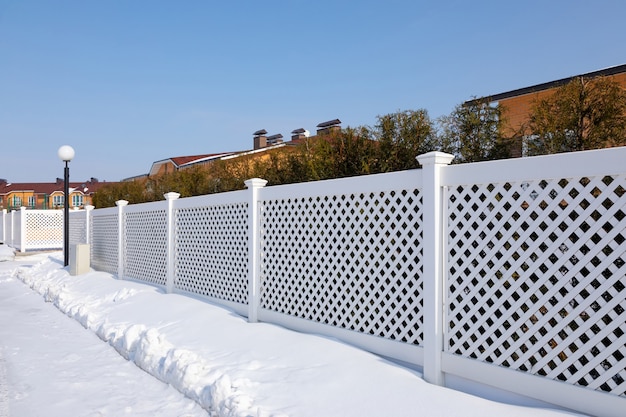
[50,365]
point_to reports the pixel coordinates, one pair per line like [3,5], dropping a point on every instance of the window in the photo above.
[32,201]
[58,200]
[77,200]
[17,201]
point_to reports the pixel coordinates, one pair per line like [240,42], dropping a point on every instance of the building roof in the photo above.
[551,84]
[85,187]
[185,161]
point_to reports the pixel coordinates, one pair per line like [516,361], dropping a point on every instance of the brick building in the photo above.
[517,104]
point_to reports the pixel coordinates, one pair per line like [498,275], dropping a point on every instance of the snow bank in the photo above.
[6,253]
[234,368]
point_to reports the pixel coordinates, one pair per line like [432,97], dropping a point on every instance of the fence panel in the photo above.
[44,229]
[536,266]
[78,226]
[211,247]
[347,254]
[145,242]
[104,239]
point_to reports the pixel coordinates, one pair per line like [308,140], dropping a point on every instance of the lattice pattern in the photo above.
[104,241]
[212,251]
[78,227]
[44,229]
[145,246]
[537,275]
[350,260]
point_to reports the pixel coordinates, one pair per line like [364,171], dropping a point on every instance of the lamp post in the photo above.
[66,153]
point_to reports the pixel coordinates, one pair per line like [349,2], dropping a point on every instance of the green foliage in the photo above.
[108,194]
[401,137]
[583,114]
[472,132]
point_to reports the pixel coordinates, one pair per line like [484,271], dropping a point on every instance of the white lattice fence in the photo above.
[211,247]
[145,240]
[517,282]
[537,276]
[104,240]
[350,259]
[78,227]
[44,229]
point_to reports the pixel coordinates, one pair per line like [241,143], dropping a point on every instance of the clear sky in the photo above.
[130,82]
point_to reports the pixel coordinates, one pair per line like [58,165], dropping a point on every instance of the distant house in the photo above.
[517,104]
[43,195]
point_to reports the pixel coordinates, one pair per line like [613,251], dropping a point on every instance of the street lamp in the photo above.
[66,153]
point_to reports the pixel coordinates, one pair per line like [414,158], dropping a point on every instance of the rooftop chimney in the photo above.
[328,127]
[299,134]
[260,140]
[275,139]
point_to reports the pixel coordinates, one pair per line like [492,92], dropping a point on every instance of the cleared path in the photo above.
[40,345]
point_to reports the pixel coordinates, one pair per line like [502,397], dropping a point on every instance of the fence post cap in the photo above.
[255,182]
[121,203]
[171,196]
[89,207]
[435,157]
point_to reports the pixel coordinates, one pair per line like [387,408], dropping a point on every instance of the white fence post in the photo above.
[88,209]
[120,237]
[253,185]
[169,283]
[432,262]
[4,226]
[23,229]
[12,238]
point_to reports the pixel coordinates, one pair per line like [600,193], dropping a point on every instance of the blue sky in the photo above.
[130,82]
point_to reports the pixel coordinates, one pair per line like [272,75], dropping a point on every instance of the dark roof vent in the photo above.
[299,134]
[329,123]
[275,139]
[331,126]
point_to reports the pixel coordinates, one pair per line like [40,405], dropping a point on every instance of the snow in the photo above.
[199,359]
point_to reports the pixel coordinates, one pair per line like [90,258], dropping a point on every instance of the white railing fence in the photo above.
[509,273]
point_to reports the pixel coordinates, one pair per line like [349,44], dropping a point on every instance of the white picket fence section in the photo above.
[509,274]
